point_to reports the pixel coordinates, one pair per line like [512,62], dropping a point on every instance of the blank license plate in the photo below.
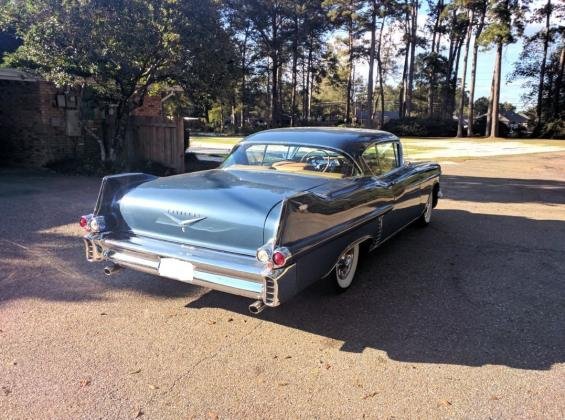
[176,269]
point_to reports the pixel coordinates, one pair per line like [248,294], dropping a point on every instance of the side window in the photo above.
[371,159]
[381,158]
[255,154]
[387,157]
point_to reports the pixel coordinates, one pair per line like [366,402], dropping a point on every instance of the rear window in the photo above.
[299,159]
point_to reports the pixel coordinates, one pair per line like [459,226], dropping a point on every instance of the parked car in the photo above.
[286,208]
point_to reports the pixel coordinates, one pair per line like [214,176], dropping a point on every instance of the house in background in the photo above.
[41,124]
[512,124]
[38,122]
[362,116]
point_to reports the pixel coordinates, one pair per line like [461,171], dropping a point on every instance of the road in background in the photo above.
[418,148]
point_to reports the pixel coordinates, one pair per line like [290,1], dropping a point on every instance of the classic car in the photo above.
[286,208]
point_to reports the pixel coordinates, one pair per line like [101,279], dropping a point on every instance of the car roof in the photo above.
[350,140]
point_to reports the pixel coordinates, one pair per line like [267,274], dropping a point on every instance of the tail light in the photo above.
[85,222]
[273,258]
[92,223]
[279,259]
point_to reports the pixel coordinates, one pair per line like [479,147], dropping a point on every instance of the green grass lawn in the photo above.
[444,148]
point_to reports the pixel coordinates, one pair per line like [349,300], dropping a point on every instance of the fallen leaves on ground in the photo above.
[133,372]
[370,395]
[85,382]
[6,390]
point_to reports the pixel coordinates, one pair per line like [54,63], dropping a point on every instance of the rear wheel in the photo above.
[344,271]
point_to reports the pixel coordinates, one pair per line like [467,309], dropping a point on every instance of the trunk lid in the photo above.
[217,209]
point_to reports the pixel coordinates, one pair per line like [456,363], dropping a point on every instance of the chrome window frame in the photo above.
[397,153]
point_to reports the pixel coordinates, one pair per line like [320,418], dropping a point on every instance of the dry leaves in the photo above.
[6,391]
[138,413]
[370,395]
[133,372]
[85,382]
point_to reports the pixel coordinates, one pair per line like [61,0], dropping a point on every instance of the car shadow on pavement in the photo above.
[504,190]
[472,289]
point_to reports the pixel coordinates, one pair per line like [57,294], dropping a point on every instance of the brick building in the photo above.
[40,123]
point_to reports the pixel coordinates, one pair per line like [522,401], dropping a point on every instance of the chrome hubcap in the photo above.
[344,265]
[428,214]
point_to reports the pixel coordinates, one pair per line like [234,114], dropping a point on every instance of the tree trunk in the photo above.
[370,78]
[471,116]
[402,92]
[309,111]
[558,81]
[489,109]
[349,75]
[414,28]
[433,83]
[294,73]
[453,87]
[306,104]
[116,144]
[496,92]
[380,69]
[464,77]
[542,70]
[243,97]
[274,73]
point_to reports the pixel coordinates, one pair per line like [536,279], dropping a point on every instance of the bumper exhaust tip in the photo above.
[111,269]
[257,307]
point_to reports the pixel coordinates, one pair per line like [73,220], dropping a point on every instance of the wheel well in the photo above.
[436,194]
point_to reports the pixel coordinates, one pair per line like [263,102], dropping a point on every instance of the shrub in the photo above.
[422,127]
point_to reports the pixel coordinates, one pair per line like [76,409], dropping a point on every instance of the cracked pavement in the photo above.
[465,318]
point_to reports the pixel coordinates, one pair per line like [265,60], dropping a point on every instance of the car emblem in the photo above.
[183,224]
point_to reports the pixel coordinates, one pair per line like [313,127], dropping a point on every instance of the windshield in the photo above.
[295,158]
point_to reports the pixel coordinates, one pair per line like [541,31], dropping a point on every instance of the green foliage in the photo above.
[505,22]
[481,106]
[554,128]
[422,127]
[119,48]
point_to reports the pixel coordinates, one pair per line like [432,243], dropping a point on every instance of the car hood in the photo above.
[219,209]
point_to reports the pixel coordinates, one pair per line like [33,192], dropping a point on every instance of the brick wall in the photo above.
[33,130]
[151,107]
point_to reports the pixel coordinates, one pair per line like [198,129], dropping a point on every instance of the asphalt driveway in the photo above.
[465,318]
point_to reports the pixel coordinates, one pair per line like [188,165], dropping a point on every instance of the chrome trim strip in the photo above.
[241,287]
[223,263]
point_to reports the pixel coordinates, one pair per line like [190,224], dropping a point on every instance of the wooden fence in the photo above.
[158,139]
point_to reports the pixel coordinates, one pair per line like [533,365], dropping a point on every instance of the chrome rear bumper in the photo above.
[227,272]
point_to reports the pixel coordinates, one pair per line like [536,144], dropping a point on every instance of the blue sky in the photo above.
[511,91]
